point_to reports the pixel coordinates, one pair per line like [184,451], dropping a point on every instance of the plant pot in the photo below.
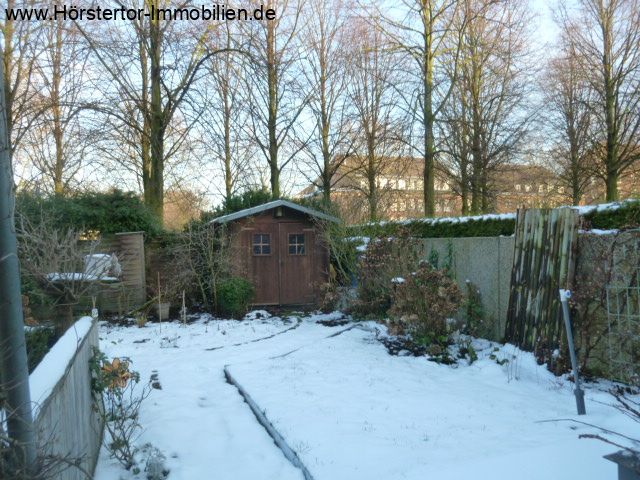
[162,309]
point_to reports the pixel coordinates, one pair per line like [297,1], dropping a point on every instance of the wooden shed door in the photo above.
[262,244]
[296,248]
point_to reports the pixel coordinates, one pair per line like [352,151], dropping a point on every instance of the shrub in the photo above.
[104,212]
[39,341]
[234,295]
[118,400]
[235,203]
[424,302]
[386,259]
[474,313]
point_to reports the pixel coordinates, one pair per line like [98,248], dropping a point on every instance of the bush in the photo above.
[474,313]
[424,302]
[234,295]
[39,341]
[104,212]
[235,203]
[386,259]
[118,400]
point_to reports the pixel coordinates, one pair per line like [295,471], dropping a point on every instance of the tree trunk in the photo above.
[58,132]
[610,109]
[272,121]
[612,186]
[8,73]
[155,196]
[427,116]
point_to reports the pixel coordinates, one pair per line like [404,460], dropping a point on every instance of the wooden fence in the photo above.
[544,262]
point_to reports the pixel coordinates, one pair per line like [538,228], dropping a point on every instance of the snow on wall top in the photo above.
[53,366]
[582,210]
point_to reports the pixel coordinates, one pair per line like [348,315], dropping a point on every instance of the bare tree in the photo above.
[327,74]
[20,47]
[489,115]
[59,141]
[606,35]
[568,99]
[376,117]
[225,121]
[277,99]
[147,87]
[422,31]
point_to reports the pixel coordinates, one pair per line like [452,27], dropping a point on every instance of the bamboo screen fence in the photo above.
[544,262]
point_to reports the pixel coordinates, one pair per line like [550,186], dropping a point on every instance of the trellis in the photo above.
[544,262]
[623,314]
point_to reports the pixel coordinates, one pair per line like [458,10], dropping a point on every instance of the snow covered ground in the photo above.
[350,410]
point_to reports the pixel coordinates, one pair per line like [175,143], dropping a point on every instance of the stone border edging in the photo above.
[278,439]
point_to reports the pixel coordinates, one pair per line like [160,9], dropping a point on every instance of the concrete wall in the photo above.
[486,262]
[66,424]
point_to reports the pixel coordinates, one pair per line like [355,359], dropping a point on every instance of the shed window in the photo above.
[262,244]
[296,244]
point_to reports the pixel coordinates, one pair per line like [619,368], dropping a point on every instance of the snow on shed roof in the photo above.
[268,206]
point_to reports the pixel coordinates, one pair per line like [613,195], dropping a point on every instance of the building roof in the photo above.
[271,205]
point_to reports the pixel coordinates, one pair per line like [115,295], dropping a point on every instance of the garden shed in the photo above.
[280,250]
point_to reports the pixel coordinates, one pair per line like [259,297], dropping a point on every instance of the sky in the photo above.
[543,8]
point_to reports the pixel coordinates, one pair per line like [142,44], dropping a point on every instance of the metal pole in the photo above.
[13,352]
[565,295]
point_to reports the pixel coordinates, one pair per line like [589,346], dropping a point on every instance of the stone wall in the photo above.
[484,261]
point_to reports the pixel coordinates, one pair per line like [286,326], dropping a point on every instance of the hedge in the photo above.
[105,212]
[621,216]
[481,226]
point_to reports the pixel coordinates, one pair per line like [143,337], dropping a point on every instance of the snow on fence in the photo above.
[65,422]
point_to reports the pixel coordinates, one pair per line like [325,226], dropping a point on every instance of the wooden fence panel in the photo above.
[544,262]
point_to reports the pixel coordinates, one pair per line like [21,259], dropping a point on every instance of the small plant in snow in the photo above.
[118,399]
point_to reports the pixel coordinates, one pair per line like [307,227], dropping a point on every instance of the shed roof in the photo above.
[270,205]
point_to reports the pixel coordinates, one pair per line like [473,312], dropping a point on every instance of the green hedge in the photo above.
[626,216]
[484,226]
[106,212]
[619,216]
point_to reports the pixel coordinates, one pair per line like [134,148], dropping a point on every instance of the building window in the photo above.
[402,184]
[527,188]
[262,244]
[518,187]
[296,244]
[541,189]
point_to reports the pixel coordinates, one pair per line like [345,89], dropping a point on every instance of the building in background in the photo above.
[400,185]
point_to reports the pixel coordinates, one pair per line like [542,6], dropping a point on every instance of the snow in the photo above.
[437,220]
[78,277]
[349,409]
[597,231]
[583,210]
[54,364]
